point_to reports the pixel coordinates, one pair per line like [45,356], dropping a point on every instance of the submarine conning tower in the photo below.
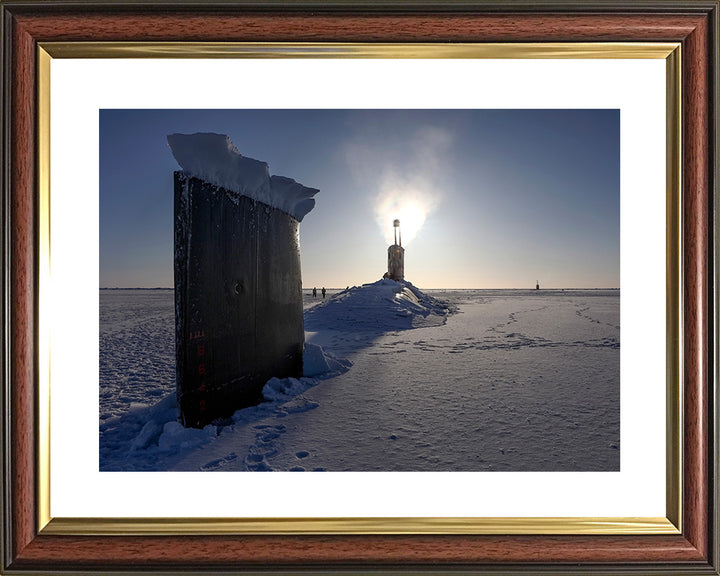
[396,256]
[238,284]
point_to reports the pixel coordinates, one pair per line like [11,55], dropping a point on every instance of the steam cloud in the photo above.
[407,179]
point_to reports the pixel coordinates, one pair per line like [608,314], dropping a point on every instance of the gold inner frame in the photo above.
[671,524]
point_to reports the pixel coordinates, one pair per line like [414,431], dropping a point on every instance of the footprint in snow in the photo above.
[219,462]
[265,447]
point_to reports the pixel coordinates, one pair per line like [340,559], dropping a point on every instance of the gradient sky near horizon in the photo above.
[486,198]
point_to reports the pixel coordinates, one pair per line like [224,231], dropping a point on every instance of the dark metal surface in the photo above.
[238,299]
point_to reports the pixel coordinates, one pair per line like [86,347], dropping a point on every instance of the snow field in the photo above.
[512,381]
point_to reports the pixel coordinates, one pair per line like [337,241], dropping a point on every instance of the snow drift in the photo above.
[215,159]
[382,306]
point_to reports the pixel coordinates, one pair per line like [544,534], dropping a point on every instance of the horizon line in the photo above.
[356,286]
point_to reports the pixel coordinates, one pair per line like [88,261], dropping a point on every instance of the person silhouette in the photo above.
[314,292]
[323,291]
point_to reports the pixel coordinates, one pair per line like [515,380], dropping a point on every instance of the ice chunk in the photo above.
[148,435]
[314,361]
[317,362]
[215,159]
[285,388]
[175,436]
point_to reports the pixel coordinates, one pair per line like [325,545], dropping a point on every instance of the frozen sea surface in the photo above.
[457,380]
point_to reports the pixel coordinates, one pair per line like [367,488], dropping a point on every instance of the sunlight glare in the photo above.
[411,210]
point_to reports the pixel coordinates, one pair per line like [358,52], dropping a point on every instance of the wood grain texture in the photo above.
[218,552]
[22,292]
[689,551]
[359,28]
[696,204]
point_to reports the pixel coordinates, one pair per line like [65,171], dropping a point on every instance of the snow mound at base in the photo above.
[319,363]
[381,306]
[174,436]
[214,159]
[282,389]
[146,434]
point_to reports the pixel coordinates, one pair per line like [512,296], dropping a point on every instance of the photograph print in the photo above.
[359,290]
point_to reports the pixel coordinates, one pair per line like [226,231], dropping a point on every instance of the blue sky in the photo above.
[494,198]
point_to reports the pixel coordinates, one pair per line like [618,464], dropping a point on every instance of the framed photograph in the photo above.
[538,186]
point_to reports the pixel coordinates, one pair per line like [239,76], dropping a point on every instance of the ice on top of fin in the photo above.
[214,158]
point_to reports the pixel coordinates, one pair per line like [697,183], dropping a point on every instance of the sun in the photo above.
[412,218]
[411,213]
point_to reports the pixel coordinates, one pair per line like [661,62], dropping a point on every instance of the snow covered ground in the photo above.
[396,380]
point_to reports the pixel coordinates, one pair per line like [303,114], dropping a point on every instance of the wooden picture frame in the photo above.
[31,545]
